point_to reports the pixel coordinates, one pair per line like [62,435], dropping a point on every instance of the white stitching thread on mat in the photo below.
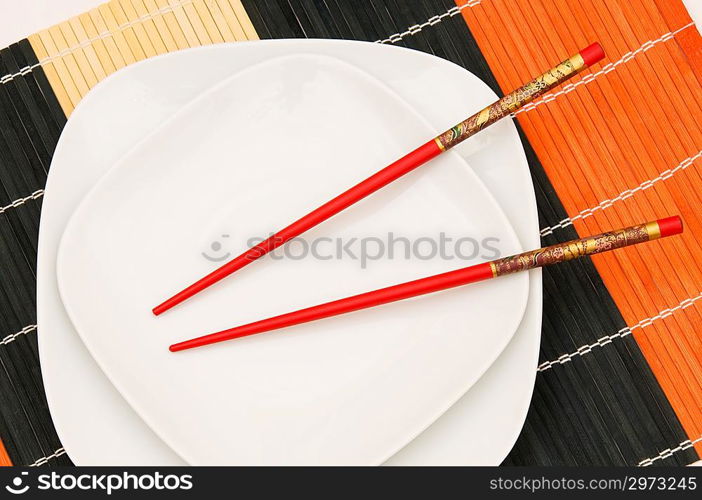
[607,68]
[100,36]
[603,341]
[670,451]
[416,28]
[627,193]
[44,460]
[12,337]
[687,444]
[392,39]
[21,201]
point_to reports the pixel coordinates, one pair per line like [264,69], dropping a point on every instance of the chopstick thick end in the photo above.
[670,226]
[592,54]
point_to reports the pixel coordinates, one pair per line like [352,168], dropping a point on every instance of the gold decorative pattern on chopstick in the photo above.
[574,249]
[511,102]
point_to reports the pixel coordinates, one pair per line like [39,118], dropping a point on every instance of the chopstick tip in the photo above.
[159,309]
[187,344]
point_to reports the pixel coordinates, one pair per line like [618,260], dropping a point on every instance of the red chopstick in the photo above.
[521,262]
[496,111]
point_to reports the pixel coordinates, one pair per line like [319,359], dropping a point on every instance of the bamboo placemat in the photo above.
[620,374]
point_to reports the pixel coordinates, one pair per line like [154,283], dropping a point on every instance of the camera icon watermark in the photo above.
[217,251]
[16,487]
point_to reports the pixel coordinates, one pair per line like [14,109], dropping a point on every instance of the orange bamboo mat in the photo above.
[674,13]
[4,457]
[625,128]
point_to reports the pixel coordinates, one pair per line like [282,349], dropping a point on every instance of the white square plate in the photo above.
[93,421]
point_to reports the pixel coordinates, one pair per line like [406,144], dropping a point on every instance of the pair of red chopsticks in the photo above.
[489,115]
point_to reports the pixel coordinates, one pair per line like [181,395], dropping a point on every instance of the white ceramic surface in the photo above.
[268,144]
[94,423]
